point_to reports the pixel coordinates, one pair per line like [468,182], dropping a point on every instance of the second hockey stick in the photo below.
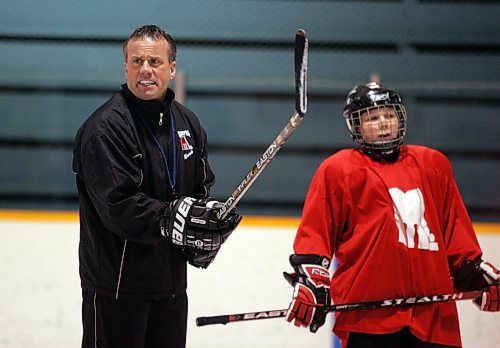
[301,56]
[400,302]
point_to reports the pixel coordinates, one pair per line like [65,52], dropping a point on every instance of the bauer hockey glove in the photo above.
[193,225]
[199,258]
[311,293]
[480,275]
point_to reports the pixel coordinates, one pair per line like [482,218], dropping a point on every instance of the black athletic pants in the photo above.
[400,339]
[111,323]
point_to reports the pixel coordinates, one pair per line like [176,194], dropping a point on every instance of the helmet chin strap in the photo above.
[389,155]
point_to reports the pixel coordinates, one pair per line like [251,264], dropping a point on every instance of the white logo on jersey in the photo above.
[409,211]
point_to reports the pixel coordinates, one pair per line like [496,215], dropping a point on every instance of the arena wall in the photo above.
[40,293]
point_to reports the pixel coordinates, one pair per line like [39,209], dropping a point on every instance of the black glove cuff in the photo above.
[179,222]
[470,276]
[312,259]
[197,258]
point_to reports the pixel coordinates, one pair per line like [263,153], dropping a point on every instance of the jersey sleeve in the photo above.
[459,236]
[323,214]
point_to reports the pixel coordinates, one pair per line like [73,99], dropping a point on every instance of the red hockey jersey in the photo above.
[397,230]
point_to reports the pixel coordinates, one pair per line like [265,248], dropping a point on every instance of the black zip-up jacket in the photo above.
[124,190]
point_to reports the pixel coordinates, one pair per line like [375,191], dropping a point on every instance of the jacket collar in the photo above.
[148,107]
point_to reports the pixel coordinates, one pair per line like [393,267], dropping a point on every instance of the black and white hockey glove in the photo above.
[311,293]
[197,258]
[193,225]
[480,275]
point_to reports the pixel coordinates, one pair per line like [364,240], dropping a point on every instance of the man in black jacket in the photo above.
[143,181]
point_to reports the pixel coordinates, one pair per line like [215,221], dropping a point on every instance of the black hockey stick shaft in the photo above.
[301,56]
[400,302]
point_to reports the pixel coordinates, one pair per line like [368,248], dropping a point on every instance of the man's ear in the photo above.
[173,70]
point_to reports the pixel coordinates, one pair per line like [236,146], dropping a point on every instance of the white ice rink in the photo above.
[40,291]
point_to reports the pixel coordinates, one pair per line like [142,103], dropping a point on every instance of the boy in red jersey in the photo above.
[394,219]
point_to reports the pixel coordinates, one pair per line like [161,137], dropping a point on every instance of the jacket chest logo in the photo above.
[186,147]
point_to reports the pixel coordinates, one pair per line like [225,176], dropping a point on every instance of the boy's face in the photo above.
[379,124]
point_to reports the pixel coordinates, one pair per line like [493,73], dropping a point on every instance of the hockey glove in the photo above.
[489,302]
[311,293]
[480,275]
[199,258]
[193,225]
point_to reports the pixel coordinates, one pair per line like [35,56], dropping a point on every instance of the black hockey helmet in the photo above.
[364,98]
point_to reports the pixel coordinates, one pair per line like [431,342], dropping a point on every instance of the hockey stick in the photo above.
[400,302]
[301,54]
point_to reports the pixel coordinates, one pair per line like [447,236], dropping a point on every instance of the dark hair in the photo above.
[153,32]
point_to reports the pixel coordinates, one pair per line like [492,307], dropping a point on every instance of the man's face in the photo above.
[379,124]
[147,68]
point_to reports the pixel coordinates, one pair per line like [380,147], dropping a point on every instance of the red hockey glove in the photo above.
[311,292]
[489,302]
[480,275]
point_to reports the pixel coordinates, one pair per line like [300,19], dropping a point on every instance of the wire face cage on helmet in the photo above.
[376,118]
